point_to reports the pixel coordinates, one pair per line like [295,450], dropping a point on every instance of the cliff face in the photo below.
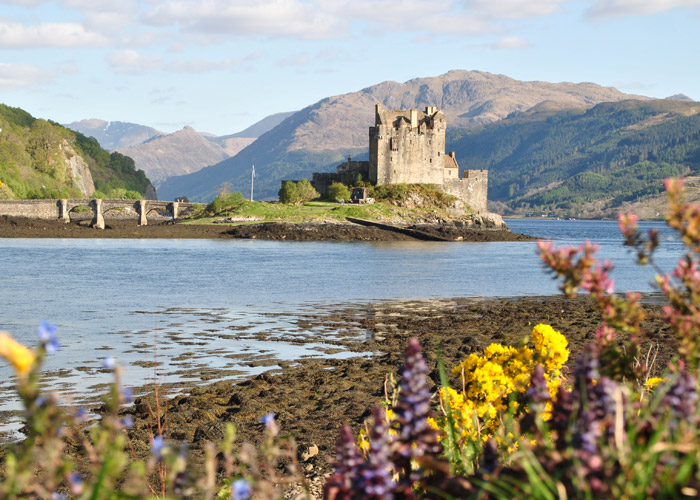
[79,170]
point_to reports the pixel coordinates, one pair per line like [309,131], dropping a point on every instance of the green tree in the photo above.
[297,193]
[338,191]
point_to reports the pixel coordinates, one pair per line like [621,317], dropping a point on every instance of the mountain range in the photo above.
[585,162]
[319,136]
[162,155]
[571,149]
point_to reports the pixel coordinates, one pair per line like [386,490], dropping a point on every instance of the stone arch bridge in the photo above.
[61,209]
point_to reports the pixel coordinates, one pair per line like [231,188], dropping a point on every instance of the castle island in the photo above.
[408,147]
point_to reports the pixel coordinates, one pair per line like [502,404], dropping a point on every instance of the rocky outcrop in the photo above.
[78,169]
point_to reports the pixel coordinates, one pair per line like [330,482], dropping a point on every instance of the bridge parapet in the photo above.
[60,209]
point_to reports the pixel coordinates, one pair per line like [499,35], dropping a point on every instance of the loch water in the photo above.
[208,304]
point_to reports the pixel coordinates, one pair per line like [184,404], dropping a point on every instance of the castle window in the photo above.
[394,144]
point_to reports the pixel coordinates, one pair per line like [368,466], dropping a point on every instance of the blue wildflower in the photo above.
[109,362]
[128,421]
[268,420]
[76,484]
[47,335]
[157,446]
[241,490]
[58,496]
[81,415]
[127,394]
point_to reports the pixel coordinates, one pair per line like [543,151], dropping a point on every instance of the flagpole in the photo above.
[252,180]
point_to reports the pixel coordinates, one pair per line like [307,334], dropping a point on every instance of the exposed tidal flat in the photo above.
[307,330]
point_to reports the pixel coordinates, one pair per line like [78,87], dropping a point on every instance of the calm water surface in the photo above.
[205,302]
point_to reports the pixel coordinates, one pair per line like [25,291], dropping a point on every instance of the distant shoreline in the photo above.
[19,227]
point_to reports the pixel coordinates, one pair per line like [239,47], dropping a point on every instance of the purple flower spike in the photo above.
[416,436]
[374,476]
[680,402]
[241,490]
[47,335]
[538,391]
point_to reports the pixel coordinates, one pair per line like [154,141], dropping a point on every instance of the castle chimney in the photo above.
[377,110]
[452,155]
[414,118]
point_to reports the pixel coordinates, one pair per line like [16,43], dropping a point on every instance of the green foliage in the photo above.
[225,202]
[33,154]
[618,151]
[338,191]
[297,193]
[431,196]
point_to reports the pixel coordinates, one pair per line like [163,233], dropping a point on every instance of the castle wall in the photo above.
[321,181]
[472,188]
[347,173]
[407,147]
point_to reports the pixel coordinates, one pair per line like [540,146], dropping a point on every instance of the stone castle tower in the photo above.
[408,147]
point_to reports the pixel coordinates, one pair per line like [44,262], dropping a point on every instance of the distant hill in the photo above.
[679,97]
[321,135]
[114,135]
[42,159]
[259,128]
[583,162]
[162,155]
[182,152]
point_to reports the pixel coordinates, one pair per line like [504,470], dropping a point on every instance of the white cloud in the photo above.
[52,35]
[437,17]
[13,76]
[510,42]
[514,9]
[273,18]
[621,8]
[131,62]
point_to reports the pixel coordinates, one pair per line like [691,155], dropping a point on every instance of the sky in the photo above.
[220,66]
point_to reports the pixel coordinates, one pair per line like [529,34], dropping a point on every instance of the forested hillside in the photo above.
[552,160]
[42,159]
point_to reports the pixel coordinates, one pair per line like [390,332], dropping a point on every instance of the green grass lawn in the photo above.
[315,211]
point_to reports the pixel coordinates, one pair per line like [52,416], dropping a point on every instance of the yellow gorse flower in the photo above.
[652,382]
[18,355]
[491,380]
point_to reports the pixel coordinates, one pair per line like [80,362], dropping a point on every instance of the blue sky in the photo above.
[220,66]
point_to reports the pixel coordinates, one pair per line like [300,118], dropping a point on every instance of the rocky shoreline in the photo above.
[18,227]
[312,398]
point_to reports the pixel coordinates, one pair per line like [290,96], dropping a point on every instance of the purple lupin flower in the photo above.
[538,392]
[373,480]
[416,437]
[680,401]
[347,456]
[347,465]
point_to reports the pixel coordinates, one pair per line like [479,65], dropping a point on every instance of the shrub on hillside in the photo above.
[338,191]
[297,193]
